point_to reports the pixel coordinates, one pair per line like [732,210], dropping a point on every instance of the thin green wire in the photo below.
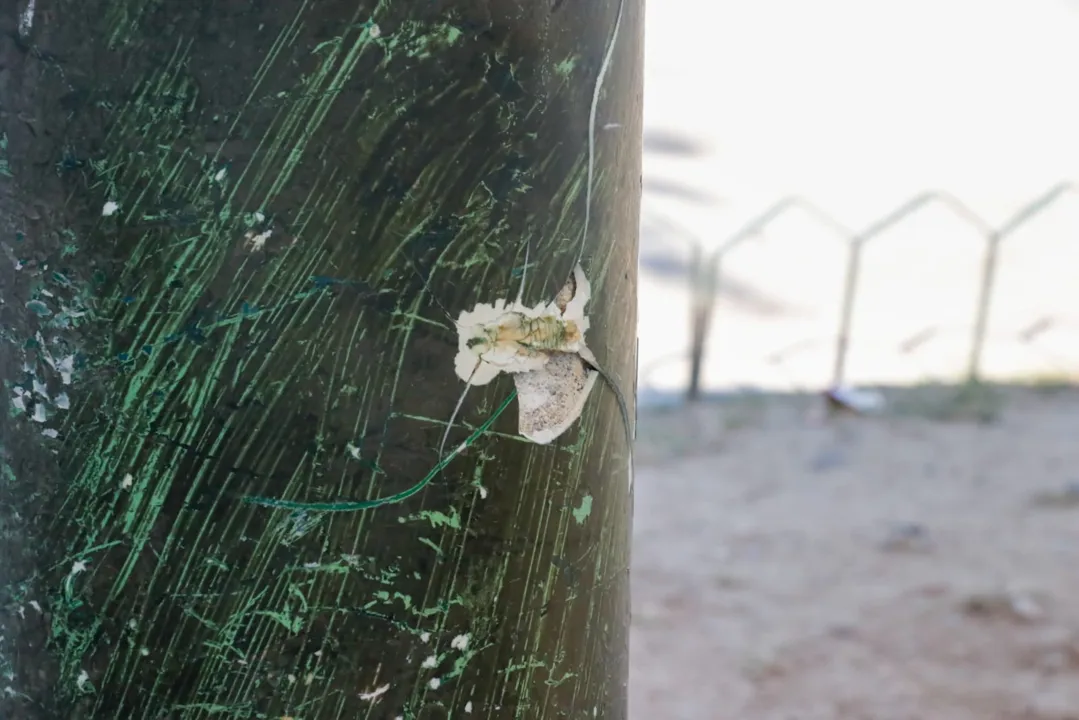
[352,506]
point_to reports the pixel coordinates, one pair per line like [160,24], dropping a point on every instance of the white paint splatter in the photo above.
[433,683]
[83,679]
[375,30]
[221,174]
[256,243]
[65,366]
[468,706]
[51,433]
[36,605]
[20,399]
[127,482]
[425,636]
[430,662]
[460,642]
[26,20]
[110,208]
[375,694]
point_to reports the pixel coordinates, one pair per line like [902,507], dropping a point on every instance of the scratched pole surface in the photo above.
[231,233]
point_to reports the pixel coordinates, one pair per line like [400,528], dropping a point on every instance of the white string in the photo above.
[592,128]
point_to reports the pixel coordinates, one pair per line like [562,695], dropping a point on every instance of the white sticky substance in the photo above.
[553,381]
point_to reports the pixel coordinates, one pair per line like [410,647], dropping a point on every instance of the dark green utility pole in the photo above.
[234,238]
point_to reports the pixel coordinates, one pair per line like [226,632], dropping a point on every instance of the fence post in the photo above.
[985,295]
[854,263]
[703,295]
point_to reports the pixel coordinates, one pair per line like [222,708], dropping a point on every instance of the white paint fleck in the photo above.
[291,679]
[110,208]
[468,706]
[39,413]
[82,680]
[483,492]
[36,605]
[460,642]
[145,651]
[425,636]
[375,694]
[256,243]
[375,30]
[65,366]
[128,481]
[20,398]
[353,451]
[430,661]
[50,433]
[26,19]
[62,401]
[79,566]
[259,217]
[612,126]
[433,683]
[221,174]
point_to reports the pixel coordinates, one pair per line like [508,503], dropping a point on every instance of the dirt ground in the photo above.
[920,565]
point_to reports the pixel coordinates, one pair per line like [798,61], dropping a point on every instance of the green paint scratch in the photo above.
[429,543]
[581,513]
[565,68]
[352,506]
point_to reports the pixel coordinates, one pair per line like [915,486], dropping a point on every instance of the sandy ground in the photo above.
[920,565]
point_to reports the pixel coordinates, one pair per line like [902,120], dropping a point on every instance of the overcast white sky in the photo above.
[858,105]
[862,102]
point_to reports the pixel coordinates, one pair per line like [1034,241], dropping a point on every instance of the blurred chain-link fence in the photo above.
[968,326]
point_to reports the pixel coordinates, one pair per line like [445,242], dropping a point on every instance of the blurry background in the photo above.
[922,562]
